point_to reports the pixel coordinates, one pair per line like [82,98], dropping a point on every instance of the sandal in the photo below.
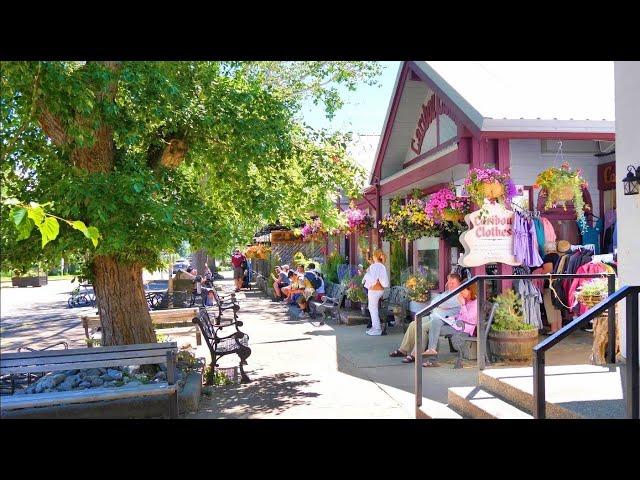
[409,359]
[397,353]
[426,353]
[430,363]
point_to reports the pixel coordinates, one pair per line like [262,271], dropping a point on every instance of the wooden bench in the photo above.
[172,316]
[219,346]
[84,358]
[398,298]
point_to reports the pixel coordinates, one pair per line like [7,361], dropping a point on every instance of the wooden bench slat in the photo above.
[81,351]
[15,402]
[87,357]
[82,365]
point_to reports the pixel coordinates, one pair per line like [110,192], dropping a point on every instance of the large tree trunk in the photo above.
[199,259]
[124,314]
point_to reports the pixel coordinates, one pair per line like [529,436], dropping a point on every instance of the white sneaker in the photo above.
[375,333]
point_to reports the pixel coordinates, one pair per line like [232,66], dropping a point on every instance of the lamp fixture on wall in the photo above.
[632,181]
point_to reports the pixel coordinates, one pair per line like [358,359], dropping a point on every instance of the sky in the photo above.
[364,109]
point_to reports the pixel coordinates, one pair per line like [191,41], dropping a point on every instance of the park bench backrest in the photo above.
[81,358]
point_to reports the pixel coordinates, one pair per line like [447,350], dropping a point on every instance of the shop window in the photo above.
[428,257]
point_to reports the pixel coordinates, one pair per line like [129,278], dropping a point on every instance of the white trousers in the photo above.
[374,305]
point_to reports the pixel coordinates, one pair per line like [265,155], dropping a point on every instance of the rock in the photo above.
[51,381]
[134,370]
[115,374]
[161,376]
[71,372]
[107,378]
[133,383]
[109,384]
[102,371]
[94,372]
[91,378]
[82,375]
[85,384]
[39,389]
[97,382]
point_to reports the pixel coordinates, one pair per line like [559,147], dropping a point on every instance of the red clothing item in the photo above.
[236,260]
[577,282]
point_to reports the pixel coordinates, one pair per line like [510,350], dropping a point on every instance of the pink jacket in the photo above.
[469,315]
[577,282]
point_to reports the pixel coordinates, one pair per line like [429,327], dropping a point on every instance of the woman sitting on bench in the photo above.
[464,323]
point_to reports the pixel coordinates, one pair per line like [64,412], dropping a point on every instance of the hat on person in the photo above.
[563,246]
[550,247]
[285,267]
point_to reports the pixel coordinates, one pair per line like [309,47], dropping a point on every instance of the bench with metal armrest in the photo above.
[331,301]
[237,342]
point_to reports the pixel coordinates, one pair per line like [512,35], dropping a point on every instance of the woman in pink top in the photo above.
[463,324]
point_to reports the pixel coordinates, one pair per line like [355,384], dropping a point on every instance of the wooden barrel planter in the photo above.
[513,344]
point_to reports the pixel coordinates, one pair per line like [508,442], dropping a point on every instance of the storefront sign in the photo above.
[490,238]
[430,110]
[607,176]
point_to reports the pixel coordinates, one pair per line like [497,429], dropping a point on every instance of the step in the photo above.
[432,409]
[572,391]
[475,402]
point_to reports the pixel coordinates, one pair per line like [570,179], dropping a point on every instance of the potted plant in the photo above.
[358,220]
[27,277]
[561,185]
[590,294]
[489,183]
[444,206]
[355,292]
[419,288]
[510,338]
[313,230]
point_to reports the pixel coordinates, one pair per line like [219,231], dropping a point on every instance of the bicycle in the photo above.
[81,299]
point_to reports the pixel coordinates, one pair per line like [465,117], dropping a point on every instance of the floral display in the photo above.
[312,230]
[355,290]
[489,183]
[407,221]
[562,185]
[445,206]
[419,287]
[358,220]
[258,252]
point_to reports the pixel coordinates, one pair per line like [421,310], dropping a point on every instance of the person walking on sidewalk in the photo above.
[376,280]
[238,260]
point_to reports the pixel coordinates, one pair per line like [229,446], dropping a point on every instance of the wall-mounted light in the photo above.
[632,181]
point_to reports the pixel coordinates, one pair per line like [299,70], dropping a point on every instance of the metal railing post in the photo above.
[481,335]
[611,320]
[539,396]
[633,372]
[418,362]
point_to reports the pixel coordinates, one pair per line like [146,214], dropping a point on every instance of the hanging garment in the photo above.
[540,235]
[549,231]
[591,235]
[609,218]
[531,300]
[556,285]
[520,239]
[535,259]
[591,267]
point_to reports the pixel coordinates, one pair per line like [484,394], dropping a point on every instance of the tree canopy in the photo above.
[154,153]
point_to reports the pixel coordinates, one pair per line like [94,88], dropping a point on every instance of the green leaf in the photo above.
[94,235]
[138,187]
[18,215]
[36,214]
[79,225]
[49,230]
[24,229]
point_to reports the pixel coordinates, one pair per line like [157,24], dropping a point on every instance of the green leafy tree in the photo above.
[154,153]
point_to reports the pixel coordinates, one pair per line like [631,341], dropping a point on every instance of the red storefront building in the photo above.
[436,129]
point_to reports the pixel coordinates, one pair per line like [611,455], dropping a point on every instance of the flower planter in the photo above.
[562,193]
[493,190]
[512,344]
[38,281]
[452,216]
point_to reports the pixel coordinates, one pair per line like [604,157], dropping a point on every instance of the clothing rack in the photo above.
[605,258]
[527,213]
[588,246]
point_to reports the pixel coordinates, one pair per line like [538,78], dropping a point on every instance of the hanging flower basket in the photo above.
[489,183]
[493,190]
[452,215]
[563,185]
[358,220]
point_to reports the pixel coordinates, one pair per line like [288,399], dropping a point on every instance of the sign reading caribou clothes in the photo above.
[490,236]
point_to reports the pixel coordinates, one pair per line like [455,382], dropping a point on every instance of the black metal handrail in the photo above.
[480,279]
[630,293]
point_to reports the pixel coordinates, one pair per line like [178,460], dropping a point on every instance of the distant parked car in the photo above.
[180,264]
